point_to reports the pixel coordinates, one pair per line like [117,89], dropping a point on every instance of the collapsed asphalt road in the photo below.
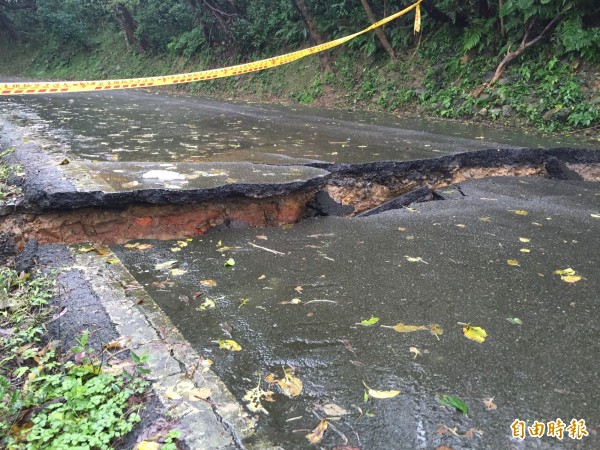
[294,295]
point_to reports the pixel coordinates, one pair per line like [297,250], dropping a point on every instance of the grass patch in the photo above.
[52,399]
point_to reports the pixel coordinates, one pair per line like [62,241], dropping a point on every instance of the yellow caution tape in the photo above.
[131,83]
[418,19]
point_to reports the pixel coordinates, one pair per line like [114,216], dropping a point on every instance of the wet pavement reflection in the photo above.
[138,126]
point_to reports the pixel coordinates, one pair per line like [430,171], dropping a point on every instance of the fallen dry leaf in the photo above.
[403,328]
[317,434]
[512,262]
[333,410]
[472,432]
[436,330]
[381,394]
[416,351]
[172,394]
[208,283]
[164,265]
[177,272]
[290,385]
[200,393]
[489,404]
[254,398]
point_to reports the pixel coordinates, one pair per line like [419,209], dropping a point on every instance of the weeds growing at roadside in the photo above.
[50,399]
[8,191]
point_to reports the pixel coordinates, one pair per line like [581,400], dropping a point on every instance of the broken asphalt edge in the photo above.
[48,185]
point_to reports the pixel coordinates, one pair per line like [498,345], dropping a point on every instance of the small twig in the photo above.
[321,301]
[115,354]
[266,249]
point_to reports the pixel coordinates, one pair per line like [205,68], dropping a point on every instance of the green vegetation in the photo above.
[530,61]
[54,400]
[8,191]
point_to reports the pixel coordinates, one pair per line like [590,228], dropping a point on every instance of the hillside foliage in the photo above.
[474,56]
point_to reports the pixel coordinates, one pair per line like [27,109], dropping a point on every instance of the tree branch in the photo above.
[510,56]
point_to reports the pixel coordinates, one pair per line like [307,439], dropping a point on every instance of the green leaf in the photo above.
[515,320]
[230,262]
[369,322]
[452,401]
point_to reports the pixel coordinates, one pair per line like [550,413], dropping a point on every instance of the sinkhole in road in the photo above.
[346,190]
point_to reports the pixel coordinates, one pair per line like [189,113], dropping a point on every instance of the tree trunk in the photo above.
[127,23]
[6,24]
[312,31]
[379,31]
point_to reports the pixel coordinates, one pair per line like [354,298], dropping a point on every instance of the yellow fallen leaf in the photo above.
[208,303]
[262,277]
[229,344]
[177,272]
[145,246]
[316,435]
[208,283]
[476,334]
[567,271]
[147,445]
[595,216]
[254,398]
[290,385]
[571,278]
[172,394]
[521,212]
[512,262]
[200,393]
[182,244]
[403,328]
[135,245]
[522,239]
[381,394]
[525,250]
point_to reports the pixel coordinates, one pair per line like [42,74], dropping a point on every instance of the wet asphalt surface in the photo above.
[352,269]
[137,126]
[440,262]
